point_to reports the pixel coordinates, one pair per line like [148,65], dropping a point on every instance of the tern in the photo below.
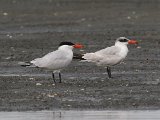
[55,61]
[109,56]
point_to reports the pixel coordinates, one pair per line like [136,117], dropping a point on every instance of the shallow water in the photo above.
[81,115]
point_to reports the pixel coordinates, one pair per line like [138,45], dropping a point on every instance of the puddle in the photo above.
[81,115]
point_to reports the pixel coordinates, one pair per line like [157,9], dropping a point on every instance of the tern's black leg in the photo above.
[60,78]
[53,77]
[109,72]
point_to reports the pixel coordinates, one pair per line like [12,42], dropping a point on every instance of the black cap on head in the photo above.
[122,39]
[66,43]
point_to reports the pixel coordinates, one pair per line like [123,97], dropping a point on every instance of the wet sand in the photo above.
[30,29]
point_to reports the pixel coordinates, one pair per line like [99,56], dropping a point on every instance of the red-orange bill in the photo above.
[78,45]
[132,42]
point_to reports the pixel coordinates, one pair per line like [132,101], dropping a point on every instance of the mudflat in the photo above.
[30,29]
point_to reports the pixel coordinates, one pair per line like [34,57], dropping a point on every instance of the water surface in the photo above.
[81,115]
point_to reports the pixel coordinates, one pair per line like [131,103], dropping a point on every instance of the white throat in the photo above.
[67,51]
[123,49]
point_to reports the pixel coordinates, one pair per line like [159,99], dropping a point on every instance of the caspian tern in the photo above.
[56,60]
[109,56]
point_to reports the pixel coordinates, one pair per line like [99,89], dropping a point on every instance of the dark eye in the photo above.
[123,40]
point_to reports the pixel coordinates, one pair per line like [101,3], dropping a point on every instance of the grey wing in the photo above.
[92,57]
[113,50]
[49,59]
[99,55]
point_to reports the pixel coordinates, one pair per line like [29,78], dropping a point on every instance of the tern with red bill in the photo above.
[110,56]
[55,61]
